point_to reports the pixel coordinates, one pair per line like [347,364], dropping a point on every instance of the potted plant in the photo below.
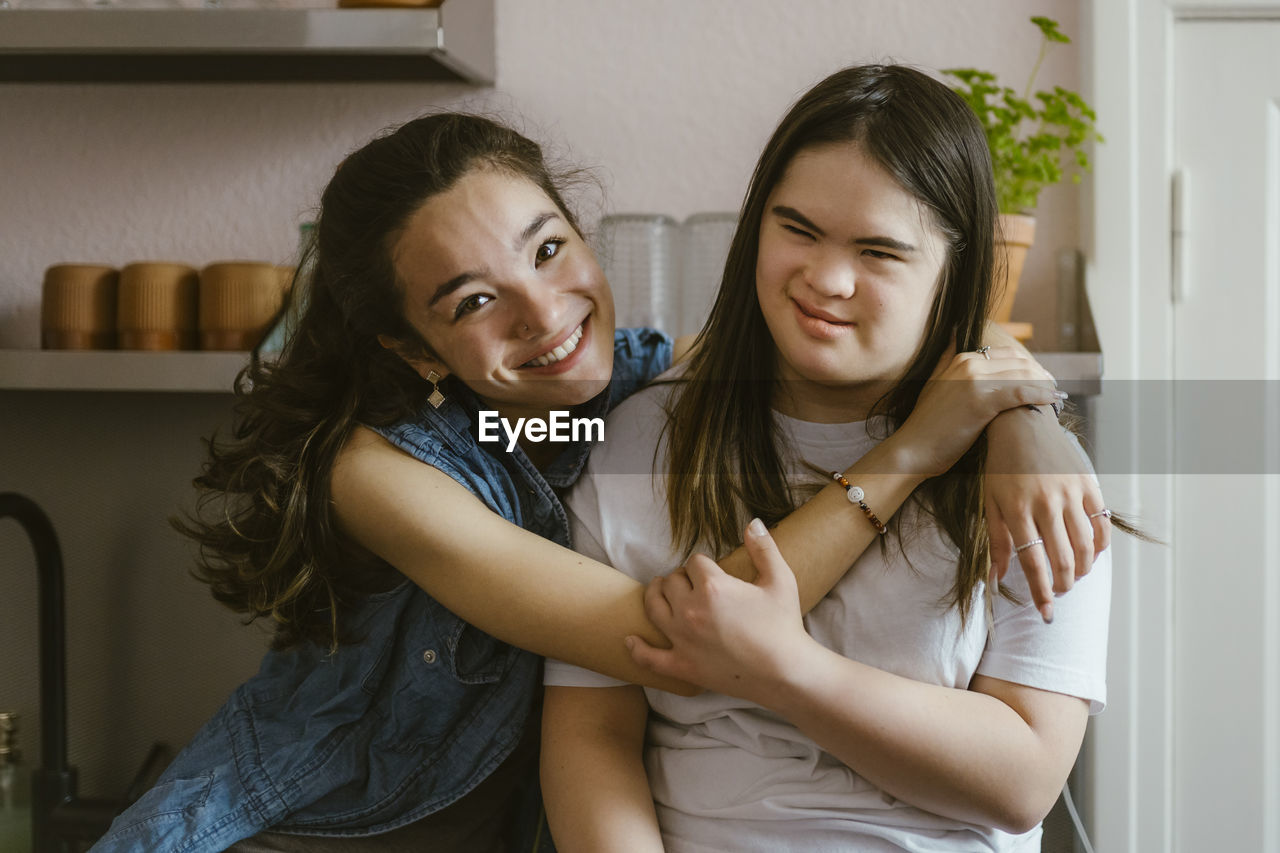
[1034,139]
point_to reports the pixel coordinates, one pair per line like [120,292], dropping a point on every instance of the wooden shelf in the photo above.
[107,370]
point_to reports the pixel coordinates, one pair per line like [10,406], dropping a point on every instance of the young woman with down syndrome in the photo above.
[414,574]
[916,707]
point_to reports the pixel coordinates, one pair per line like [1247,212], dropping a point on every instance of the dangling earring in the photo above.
[435,398]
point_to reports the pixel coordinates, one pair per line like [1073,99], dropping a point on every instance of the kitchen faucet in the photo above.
[59,818]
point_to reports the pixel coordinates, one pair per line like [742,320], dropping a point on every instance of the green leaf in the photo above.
[1049,28]
[1034,139]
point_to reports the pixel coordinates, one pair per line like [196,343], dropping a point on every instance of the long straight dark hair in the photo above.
[928,139]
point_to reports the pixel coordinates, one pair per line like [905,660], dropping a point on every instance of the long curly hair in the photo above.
[268,543]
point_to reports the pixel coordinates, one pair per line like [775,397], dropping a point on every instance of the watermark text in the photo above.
[558,426]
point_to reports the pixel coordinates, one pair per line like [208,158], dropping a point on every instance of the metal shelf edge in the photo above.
[194,45]
[137,31]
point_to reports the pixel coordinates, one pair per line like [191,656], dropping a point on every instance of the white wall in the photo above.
[1155,743]
[669,100]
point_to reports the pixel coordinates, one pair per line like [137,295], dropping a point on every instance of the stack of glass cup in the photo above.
[664,274]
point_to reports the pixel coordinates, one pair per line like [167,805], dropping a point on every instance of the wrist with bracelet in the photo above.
[856,496]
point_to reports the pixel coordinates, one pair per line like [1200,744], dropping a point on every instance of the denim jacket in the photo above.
[402,723]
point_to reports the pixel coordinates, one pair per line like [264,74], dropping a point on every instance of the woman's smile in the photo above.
[562,356]
[847,270]
[505,291]
[820,324]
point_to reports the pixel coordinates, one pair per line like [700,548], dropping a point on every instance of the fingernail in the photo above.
[1046,613]
[630,642]
[1061,395]
[756,527]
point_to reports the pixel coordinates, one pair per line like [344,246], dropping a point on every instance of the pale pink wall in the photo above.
[670,100]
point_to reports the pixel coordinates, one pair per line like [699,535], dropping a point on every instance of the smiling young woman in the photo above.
[413,574]
[530,328]
[848,269]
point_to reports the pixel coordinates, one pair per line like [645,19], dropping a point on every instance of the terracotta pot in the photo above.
[1018,233]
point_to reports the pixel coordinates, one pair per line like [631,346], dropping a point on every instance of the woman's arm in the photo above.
[995,755]
[513,584]
[1036,485]
[593,779]
[1051,497]
[532,593]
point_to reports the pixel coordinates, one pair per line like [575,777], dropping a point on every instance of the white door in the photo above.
[1226,623]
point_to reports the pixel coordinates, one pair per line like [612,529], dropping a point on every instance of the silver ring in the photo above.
[1106,513]
[982,351]
[1031,544]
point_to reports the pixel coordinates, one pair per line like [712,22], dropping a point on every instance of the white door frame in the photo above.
[1129,288]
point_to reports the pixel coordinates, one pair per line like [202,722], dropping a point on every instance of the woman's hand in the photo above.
[995,754]
[726,635]
[1037,485]
[963,395]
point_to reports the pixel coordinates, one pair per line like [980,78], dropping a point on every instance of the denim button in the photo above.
[429,656]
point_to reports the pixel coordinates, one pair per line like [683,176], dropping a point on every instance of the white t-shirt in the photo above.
[728,775]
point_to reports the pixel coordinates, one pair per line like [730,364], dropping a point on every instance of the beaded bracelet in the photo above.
[855,495]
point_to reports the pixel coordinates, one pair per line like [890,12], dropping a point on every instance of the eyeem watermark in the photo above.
[558,427]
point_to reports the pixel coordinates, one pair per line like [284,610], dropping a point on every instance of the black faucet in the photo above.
[59,818]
